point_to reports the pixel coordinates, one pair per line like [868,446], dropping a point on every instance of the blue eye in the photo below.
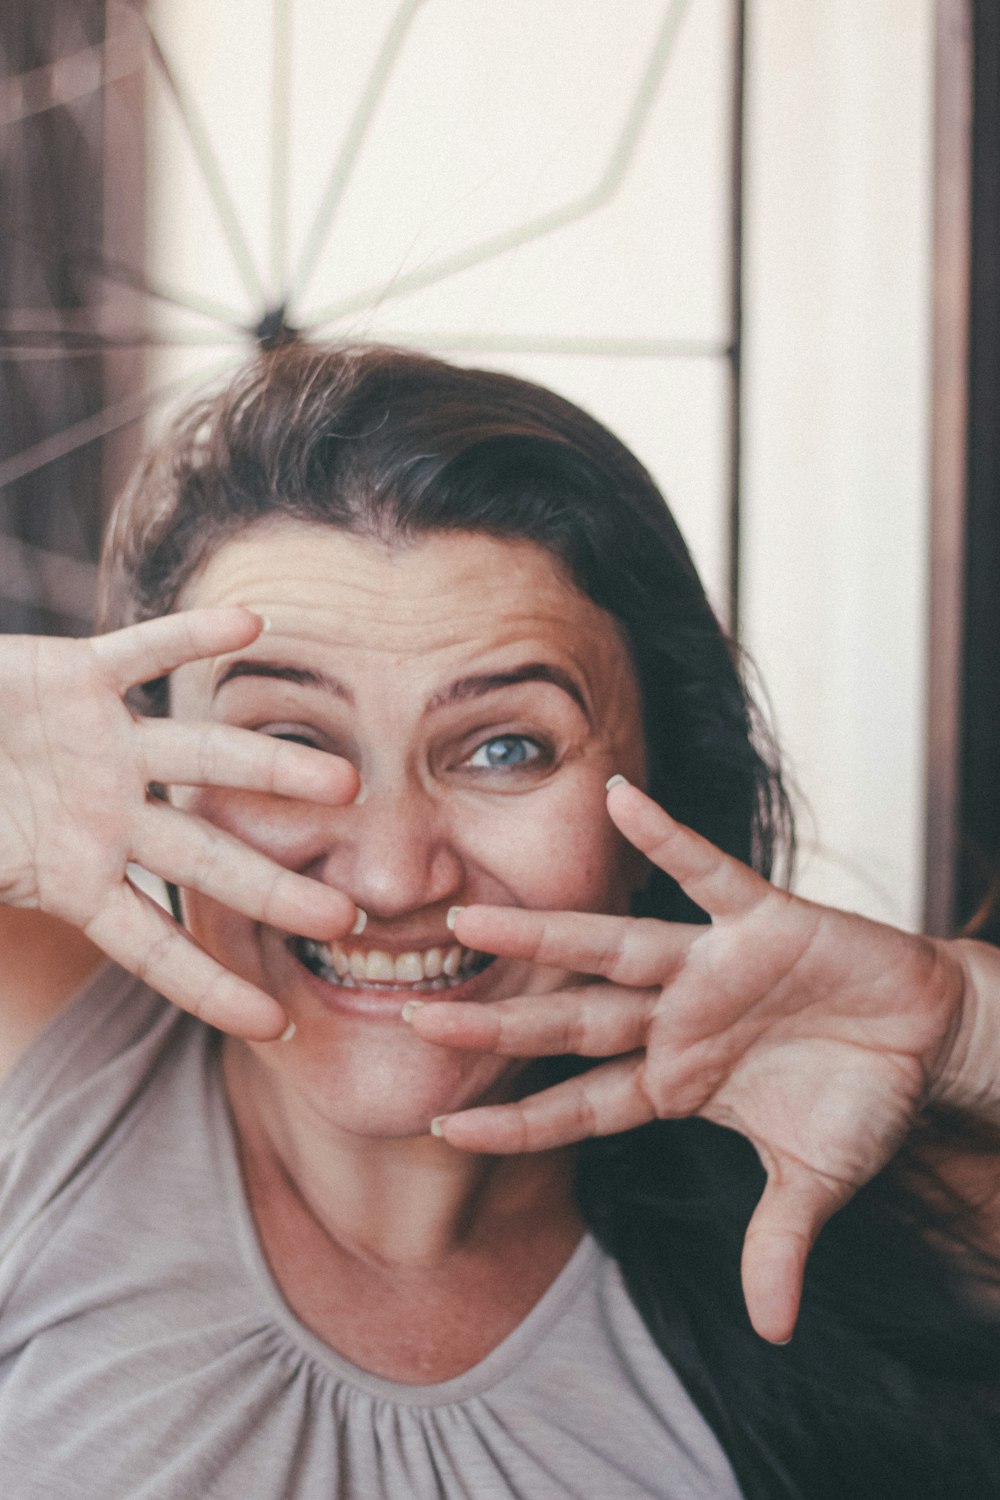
[505,752]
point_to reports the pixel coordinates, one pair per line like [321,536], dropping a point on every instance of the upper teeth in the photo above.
[376,966]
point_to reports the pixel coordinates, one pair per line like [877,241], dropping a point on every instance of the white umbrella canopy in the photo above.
[536,186]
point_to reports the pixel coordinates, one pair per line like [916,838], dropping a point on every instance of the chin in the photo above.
[382,1087]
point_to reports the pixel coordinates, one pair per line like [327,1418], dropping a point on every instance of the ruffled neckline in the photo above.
[501,1361]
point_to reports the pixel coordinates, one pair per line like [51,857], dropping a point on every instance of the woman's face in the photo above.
[485,702]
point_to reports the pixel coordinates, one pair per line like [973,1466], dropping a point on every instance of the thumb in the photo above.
[793,1208]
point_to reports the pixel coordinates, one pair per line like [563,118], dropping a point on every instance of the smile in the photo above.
[419,970]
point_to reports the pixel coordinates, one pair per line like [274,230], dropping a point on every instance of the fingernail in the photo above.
[360,922]
[288,1033]
[437,1125]
[454,912]
[410,1009]
[780,1343]
[265,624]
[359,796]
[615,781]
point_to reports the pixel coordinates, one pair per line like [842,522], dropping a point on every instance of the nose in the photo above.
[394,853]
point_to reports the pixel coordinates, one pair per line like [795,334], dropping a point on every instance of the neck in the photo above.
[412,1202]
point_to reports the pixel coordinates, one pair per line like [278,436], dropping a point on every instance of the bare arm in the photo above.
[44,962]
[968,1074]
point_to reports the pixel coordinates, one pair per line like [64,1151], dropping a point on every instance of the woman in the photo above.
[336,1240]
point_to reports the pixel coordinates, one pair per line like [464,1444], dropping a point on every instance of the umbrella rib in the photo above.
[56,343]
[581,345]
[211,172]
[607,185]
[110,269]
[281,109]
[357,132]
[112,419]
[158,291]
[36,324]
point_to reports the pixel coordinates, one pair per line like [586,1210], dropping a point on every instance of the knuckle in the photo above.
[278,891]
[582,1112]
[575,1033]
[152,959]
[206,757]
[206,866]
[213,996]
[278,762]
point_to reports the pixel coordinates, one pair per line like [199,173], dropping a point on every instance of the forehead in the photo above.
[445,593]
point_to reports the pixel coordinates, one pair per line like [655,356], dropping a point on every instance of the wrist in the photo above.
[967,1075]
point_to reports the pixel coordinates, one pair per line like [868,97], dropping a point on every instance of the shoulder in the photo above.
[43,963]
[94,1058]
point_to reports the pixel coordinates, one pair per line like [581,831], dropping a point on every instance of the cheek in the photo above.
[553,850]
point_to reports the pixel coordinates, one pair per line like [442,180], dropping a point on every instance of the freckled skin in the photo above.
[440,825]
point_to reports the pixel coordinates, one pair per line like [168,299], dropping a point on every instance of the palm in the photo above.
[807,1030]
[75,811]
[811,1031]
[72,789]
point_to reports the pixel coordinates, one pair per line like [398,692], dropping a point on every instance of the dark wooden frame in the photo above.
[963,769]
[949,422]
[978,872]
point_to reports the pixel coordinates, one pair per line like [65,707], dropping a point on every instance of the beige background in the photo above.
[495,116]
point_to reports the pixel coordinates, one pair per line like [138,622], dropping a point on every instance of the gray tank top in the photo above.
[146,1353]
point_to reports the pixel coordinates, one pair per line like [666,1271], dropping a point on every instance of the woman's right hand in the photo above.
[75,809]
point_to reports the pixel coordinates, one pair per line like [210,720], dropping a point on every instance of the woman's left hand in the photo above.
[816,1033]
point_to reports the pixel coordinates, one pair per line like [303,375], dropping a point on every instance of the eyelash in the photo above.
[293,736]
[541,754]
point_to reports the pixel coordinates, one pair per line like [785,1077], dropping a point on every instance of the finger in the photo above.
[602,1102]
[792,1210]
[139,935]
[220,755]
[140,653]
[629,950]
[719,884]
[190,852]
[594,1021]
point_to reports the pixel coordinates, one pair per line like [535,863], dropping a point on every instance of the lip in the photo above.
[379,1003]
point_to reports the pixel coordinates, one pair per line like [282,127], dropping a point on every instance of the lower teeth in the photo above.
[348,982]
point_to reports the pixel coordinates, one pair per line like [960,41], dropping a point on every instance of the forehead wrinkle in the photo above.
[300,676]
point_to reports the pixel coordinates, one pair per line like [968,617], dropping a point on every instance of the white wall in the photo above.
[836,474]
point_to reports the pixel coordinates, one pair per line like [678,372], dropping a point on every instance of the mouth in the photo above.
[415,972]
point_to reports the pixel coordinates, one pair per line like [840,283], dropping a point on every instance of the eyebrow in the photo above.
[300,676]
[491,682]
[459,692]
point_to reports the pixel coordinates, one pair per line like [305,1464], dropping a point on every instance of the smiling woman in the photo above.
[484,702]
[404,1199]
